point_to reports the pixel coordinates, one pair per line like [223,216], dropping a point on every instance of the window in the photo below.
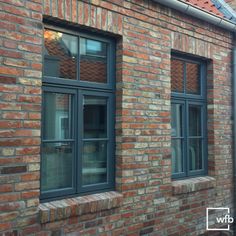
[188,117]
[77,154]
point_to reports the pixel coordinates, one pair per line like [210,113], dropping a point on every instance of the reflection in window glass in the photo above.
[94,167]
[176,120]
[195,153]
[57,110]
[56,166]
[177,76]
[95,117]
[176,156]
[93,61]
[194,120]
[60,54]
[193,78]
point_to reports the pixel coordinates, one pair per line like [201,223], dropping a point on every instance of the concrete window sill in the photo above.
[63,209]
[192,184]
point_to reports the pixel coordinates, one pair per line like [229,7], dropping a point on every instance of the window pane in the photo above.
[194,120]
[95,117]
[195,154]
[60,54]
[177,76]
[94,162]
[57,116]
[176,120]
[56,166]
[193,78]
[93,61]
[176,155]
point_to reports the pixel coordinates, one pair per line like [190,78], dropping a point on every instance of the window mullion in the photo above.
[78,60]
[80,139]
[185,79]
[186,133]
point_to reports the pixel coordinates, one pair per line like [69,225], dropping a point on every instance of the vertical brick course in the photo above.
[146,33]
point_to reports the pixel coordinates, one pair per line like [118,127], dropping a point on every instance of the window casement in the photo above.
[188,117]
[77,152]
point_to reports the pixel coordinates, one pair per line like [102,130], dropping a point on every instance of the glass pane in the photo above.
[194,120]
[195,154]
[176,120]
[56,166]
[93,61]
[95,117]
[193,78]
[94,162]
[60,54]
[177,76]
[176,155]
[57,116]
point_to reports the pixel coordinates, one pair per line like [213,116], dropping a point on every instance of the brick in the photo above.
[32,90]
[10,71]
[27,150]
[9,44]
[29,48]
[9,197]
[6,207]
[8,216]
[27,186]
[31,229]
[31,124]
[15,10]
[11,88]
[14,115]
[34,6]
[68,10]
[30,194]
[30,176]
[8,151]
[6,188]
[74,11]
[60,9]
[28,98]
[10,124]
[12,18]
[7,80]
[10,54]
[145,35]
[13,169]
[80,12]
[86,14]
[34,167]
[5,226]
[17,142]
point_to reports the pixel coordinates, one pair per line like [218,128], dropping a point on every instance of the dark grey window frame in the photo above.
[79,89]
[191,99]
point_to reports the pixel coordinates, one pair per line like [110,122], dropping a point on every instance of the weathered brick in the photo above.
[146,34]
[13,169]
[10,71]
[27,186]
[7,80]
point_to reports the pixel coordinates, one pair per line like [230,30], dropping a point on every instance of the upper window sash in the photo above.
[202,77]
[93,49]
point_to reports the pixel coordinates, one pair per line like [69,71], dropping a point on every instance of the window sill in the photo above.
[63,209]
[192,185]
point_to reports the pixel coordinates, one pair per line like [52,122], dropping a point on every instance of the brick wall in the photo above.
[151,203]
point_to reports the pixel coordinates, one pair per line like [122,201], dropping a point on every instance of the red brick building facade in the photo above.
[146,200]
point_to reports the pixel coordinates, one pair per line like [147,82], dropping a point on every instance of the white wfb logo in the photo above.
[224,220]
